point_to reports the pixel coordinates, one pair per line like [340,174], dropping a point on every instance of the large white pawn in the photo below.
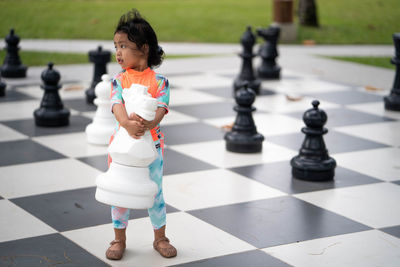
[103,125]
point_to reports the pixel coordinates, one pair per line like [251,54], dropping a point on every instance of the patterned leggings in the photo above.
[157,213]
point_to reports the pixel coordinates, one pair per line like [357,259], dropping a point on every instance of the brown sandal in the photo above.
[117,254]
[168,252]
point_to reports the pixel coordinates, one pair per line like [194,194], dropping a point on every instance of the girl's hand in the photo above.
[134,128]
[148,125]
[135,117]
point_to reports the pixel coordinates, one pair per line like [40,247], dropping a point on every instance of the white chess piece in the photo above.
[127,182]
[103,125]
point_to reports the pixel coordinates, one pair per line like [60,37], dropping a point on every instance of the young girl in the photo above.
[137,52]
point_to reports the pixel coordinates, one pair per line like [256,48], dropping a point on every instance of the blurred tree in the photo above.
[307,11]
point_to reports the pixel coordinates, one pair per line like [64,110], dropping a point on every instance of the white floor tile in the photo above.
[8,134]
[200,81]
[193,238]
[306,86]
[267,124]
[190,97]
[376,108]
[45,177]
[214,152]
[197,190]
[363,249]
[175,117]
[71,145]
[382,163]
[280,104]
[384,132]
[375,205]
[16,223]
[19,110]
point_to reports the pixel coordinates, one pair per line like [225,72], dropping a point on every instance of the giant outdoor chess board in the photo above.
[224,209]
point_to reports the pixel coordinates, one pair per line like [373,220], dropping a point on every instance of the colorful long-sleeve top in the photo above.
[158,87]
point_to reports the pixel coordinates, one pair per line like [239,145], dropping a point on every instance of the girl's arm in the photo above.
[135,128]
[148,125]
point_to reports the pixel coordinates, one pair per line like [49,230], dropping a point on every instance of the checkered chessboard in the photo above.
[223,208]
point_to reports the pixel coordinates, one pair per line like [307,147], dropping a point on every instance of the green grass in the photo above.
[383,62]
[34,58]
[221,21]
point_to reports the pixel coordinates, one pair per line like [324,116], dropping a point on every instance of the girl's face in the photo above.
[127,53]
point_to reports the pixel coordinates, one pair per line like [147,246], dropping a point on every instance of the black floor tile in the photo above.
[72,209]
[47,250]
[191,133]
[25,151]
[79,104]
[12,95]
[344,117]
[256,258]
[278,175]
[277,221]
[335,142]
[394,230]
[175,162]
[28,127]
[98,162]
[396,182]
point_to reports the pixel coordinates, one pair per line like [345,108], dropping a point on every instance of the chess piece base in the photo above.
[235,142]
[269,73]
[51,118]
[392,102]
[100,131]
[9,71]
[308,170]
[126,187]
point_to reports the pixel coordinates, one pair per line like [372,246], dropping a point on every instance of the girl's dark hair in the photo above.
[140,32]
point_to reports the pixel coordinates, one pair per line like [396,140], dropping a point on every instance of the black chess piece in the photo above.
[2,88]
[100,58]
[392,101]
[247,74]
[51,112]
[243,138]
[268,53]
[313,162]
[12,66]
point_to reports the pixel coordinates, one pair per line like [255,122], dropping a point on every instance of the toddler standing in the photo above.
[137,52]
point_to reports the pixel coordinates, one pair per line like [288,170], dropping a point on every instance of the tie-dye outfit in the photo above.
[158,88]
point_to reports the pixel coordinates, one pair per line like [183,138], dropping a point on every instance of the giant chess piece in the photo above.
[12,66]
[103,125]
[313,162]
[247,74]
[51,112]
[244,137]
[268,53]
[100,58]
[127,182]
[2,88]
[392,101]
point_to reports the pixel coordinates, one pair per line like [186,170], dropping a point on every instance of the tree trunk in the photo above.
[308,15]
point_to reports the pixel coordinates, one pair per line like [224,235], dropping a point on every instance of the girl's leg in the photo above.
[120,217]
[157,213]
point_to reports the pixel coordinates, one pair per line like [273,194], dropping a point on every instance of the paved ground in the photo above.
[305,59]
[254,212]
